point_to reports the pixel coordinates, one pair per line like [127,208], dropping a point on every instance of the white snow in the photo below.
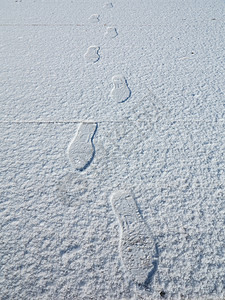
[59,236]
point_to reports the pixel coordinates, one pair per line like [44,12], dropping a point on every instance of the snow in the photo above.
[164,144]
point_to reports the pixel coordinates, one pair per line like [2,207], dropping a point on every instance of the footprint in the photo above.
[81,150]
[137,249]
[95,18]
[92,56]
[108,5]
[71,188]
[120,91]
[111,32]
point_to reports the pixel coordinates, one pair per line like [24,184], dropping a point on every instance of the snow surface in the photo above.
[165,144]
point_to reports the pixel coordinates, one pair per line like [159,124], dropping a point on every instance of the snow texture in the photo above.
[164,144]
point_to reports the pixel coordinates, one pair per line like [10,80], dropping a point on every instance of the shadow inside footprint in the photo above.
[93,153]
[151,274]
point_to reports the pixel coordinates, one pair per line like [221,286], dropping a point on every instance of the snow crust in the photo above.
[59,235]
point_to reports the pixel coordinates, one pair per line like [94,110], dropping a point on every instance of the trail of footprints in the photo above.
[137,249]
[120,91]
[81,149]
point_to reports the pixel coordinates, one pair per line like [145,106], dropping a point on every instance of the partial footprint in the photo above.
[137,249]
[111,32]
[71,188]
[108,5]
[81,150]
[120,91]
[94,18]
[92,56]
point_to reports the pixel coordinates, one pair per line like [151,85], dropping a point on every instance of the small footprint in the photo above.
[111,32]
[92,56]
[120,91]
[81,149]
[95,18]
[137,249]
[108,5]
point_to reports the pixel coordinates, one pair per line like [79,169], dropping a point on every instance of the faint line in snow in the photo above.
[185,57]
[101,121]
[40,25]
